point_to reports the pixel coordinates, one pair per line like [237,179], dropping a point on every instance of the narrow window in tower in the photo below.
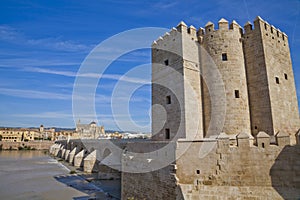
[168,99]
[198,171]
[224,56]
[285,76]
[166,62]
[167,132]
[255,127]
[282,37]
[263,145]
[277,80]
[265,26]
[277,33]
[271,29]
[237,93]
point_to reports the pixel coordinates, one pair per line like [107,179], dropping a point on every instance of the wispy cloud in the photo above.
[49,71]
[34,94]
[15,61]
[117,77]
[47,115]
[10,34]
[165,4]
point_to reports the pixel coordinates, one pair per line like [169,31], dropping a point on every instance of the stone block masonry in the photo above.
[253,88]
[37,145]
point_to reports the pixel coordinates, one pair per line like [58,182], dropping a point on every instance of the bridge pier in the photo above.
[78,159]
[90,162]
[63,151]
[60,151]
[56,150]
[72,155]
[67,155]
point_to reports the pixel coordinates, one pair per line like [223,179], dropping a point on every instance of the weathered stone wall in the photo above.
[38,145]
[283,96]
[243,171]
[166,63]
[176,55]
[224,47]
[271,84]
[146,176]
[160,184]
[256,78]
[229,192]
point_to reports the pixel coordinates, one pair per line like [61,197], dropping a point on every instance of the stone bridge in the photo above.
[102,156]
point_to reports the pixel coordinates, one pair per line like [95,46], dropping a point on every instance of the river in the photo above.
[35,175]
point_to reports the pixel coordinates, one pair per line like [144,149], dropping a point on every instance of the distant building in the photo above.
[25,134]
[90,130]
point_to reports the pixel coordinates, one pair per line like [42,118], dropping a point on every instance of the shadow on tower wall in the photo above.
[285,172]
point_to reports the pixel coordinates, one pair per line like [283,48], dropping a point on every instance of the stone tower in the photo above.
[176,94]
[224,47]
[271,85]
[41,128]
[252,88]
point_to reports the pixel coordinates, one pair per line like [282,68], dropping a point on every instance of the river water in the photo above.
[35,175]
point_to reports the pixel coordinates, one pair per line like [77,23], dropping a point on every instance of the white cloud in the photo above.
[165,4]
[11,35]
[34,94]
[8,33]
[117,77]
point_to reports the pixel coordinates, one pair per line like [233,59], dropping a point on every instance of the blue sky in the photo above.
[43,43]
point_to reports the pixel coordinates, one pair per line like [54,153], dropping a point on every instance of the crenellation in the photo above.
[182,27]
[248,27]
[154,43]
[167,34]
[209,27]
[270,30]
[234,26]
[262,140]
[223,24]
[192,31]
[283,139]
[200,31]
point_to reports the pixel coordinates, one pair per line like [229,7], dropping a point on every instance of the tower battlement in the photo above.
[223,25]
[181,29]
[265,28]
[255,67]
